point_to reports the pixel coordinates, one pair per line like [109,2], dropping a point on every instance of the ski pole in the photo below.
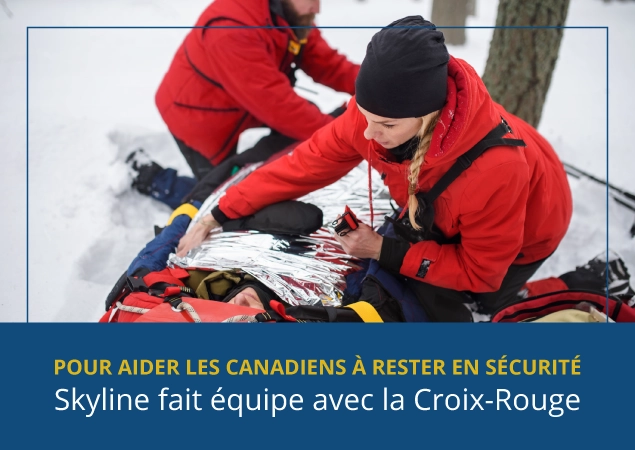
[574,171]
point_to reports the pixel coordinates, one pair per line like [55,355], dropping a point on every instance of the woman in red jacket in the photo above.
[419,112]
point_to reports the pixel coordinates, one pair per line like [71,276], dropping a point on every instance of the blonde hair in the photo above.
[425,136]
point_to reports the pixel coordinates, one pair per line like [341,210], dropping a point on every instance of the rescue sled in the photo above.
[308,273]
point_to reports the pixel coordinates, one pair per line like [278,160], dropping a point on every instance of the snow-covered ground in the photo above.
[91,99]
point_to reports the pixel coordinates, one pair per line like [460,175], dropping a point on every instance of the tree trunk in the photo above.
[451,13]
[521,61]
[471,7]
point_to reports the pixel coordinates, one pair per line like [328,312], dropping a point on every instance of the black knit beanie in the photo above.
[404,73]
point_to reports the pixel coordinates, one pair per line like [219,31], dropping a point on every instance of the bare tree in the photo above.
[451,13]
[521,61]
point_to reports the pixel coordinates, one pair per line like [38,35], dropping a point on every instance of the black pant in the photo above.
[447,305]
[271,144]
[263,150]
[199,164]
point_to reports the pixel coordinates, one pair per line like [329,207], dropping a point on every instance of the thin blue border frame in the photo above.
[322,27]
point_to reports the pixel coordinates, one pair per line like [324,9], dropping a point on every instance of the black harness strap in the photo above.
[425,215]
[492,139]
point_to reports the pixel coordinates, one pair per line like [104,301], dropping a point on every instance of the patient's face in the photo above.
[247,297]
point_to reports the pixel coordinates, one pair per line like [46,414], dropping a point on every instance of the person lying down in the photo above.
[294,270]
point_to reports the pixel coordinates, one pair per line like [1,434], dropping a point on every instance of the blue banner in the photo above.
[316,385]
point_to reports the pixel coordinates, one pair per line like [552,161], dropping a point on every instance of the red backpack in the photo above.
[533,308]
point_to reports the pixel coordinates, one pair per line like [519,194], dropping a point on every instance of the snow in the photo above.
[91,100]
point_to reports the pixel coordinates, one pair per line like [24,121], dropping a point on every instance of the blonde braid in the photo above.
[425,136]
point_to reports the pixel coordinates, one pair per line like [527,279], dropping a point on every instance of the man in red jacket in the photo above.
[229,78]
[417,114]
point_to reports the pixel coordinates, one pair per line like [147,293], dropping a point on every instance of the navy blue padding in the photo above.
[155,254]
[354,281]
[171,189]
[410,306]
[412,309]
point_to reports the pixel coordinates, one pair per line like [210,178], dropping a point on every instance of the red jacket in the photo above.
[223,81]
[513,205]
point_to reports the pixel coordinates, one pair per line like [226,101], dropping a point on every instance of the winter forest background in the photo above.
[91,101]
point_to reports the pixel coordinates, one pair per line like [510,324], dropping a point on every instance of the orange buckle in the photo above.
[294,47]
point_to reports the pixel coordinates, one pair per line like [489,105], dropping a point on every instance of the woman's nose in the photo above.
[370,132]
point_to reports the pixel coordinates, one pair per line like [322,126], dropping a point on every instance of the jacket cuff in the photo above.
[419,259]
[393,252]
[219,215]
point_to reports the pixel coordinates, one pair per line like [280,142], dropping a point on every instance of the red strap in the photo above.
[161,277]
[178,272]
[279,308]
[171,290]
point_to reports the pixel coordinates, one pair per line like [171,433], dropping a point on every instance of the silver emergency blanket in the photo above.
[301,270]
